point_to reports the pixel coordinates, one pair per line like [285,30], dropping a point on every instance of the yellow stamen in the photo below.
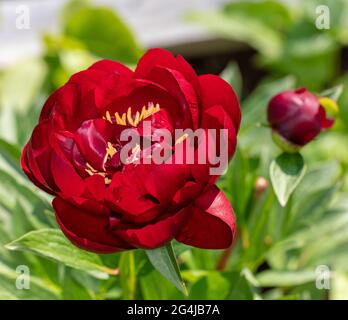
[126,117]
[143,113]
[110,150]
[90,167]
[129,117]
[137,117]
[108,117]
[102,174]
[90,172]
[136,149]
[181,139]
[120,120]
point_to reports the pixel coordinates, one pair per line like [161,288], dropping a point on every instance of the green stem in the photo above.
[131,277]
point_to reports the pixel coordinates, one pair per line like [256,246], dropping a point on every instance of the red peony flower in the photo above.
[103,204]
[297,117]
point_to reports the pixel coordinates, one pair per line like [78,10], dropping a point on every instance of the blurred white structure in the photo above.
[155,23]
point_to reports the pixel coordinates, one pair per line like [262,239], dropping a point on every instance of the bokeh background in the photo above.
[260,48]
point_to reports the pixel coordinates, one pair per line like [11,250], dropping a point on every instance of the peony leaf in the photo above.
[232,75]
[103,33]
[286,172]
[241,29]
[10,154]
[333,93]
[40,286]
[51,243]
[163,260]
[128,278]
[280,278]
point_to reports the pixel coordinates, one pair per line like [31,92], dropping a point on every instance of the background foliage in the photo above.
[277,249]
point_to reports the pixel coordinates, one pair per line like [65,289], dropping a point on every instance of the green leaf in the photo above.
[51,243]
[286,172]
[163,260]
[103,33]
[273,278]
[307,54]
[254,107]
[128,274]
[40,287]
[239,182]
[343,101]
[302,248]
[153,289]
[11,153]
[232,75]
[212,286]
[332,93]
[10,158]
[16,91]
[241,28]
[339,290]
[273,13]
[8,125]
[31,200]
[243,284]
[72,289]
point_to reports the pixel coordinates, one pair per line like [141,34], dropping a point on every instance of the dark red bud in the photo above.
[296,118]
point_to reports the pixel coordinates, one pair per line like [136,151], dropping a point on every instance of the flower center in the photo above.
[126,118]
[91,171]
[110,152]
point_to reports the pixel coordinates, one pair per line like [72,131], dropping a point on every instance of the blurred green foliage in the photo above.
[285,35]
[277,249]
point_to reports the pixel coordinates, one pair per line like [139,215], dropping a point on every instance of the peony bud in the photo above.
[298,116]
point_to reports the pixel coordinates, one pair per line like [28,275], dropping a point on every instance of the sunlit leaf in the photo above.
[286,172]
[164,261]
[233,76]
[275,278]
[103,33]
[211,286]
[243,29]
[16,91]
[52,244]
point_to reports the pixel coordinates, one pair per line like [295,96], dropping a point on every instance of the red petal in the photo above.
[38,157]
[326,123]
[155,234]
[62,102]
[152,58]
[87,230]
[179,87]
[27,171]
[189,73]
[210,223]
[160,57]
[216,117]
[111,66]
[95,187]
[216,91]
[64,174]
[92,138]
[127,196]
[176,175]
[187,193]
